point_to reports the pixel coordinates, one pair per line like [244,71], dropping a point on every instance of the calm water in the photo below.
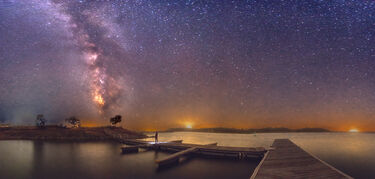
[349,152]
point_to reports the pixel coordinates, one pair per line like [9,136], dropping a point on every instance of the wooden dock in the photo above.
[205,150]
[175,157]
[214,150]
[283,160]
[287,160]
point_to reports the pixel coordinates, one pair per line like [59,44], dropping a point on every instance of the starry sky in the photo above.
[162,64]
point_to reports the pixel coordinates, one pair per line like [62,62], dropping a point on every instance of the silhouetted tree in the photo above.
[40,121]
[73,121]
[115,120]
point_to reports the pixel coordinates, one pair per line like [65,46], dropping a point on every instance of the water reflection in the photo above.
[102,160]
[37,159]
[15,159]
[349,152]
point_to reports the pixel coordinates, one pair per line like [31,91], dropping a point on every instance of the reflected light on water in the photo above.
[157,142]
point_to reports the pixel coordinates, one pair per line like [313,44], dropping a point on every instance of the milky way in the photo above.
[105,90]
[207,63]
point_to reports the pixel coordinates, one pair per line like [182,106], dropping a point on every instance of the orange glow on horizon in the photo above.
[200,122]
[353,130]
[189,125]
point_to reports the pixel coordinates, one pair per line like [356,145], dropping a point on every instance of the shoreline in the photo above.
[57,133]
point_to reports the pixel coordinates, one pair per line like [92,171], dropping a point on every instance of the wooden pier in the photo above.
[283,160]
[287,160]
[207,150]
[175,157]
[183,149]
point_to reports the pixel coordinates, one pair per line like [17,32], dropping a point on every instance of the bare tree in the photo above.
[40,121]
[75,122]
[115,120]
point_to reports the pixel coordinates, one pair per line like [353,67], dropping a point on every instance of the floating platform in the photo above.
[207,150]
[213,150]
[283,160]
[183,149]
[174,158]
[287,160]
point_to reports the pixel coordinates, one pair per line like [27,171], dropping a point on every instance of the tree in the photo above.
[40,121]
[115,120]
[75,122]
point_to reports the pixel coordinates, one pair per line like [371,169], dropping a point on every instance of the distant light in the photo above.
[189,125]
[353,130]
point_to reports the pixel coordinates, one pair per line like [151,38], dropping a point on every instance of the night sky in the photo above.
[162,64]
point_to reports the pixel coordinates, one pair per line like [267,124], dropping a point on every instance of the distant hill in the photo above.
[247,131]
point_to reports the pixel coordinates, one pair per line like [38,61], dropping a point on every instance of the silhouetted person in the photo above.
[40,121]
[156,136]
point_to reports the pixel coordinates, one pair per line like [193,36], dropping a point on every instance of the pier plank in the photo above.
[175,157]
[287,160]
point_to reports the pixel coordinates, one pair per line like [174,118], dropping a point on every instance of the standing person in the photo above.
[156,136]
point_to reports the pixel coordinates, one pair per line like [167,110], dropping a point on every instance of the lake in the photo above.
[351,153]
